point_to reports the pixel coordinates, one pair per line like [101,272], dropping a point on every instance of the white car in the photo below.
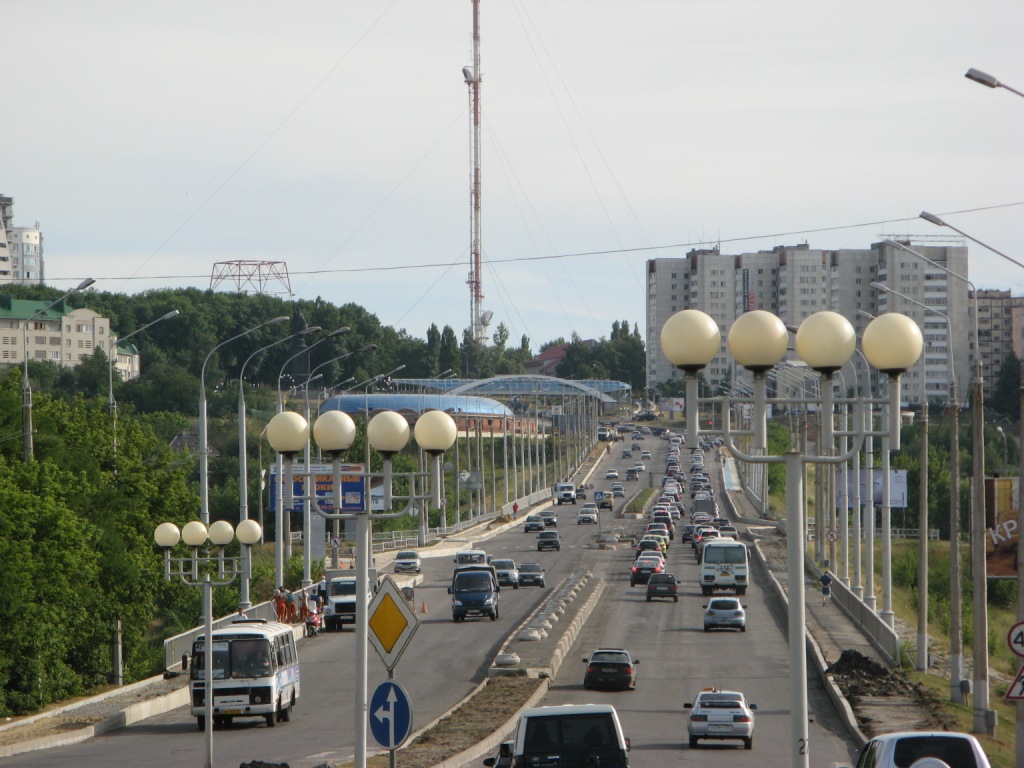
[718,714]
[587,514]
[890,750]
[611,474]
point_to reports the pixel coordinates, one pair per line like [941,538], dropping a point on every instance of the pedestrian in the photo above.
[515,509]
[826,587]
[321,591]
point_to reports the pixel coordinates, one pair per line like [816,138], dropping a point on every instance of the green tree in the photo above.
[1006,395]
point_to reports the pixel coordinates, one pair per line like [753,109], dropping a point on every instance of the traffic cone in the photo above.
[423,607]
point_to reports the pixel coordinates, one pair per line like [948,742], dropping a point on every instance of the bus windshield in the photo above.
[236,659]
[734,555]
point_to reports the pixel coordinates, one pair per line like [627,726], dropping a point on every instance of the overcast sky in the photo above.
[151,139]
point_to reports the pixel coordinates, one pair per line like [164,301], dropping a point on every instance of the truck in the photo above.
[564,493]
[340,608]
[705,506]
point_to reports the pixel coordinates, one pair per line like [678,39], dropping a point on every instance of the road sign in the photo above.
[335,542]
[464,475]
[392,622]
[1016,691]
[598,495]
[390,715]
[832,535]
[1015,638]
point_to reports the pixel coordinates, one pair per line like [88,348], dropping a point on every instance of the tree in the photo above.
[1006,395]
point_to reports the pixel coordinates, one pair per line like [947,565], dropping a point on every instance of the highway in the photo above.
[445,661]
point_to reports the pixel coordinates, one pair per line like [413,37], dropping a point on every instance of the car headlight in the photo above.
[457,603]
[491,600]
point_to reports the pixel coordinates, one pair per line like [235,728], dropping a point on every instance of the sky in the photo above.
[151,140]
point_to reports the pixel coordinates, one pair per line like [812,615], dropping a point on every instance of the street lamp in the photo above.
[111,353]
[989,80]
[243,461]
[690,340]
[197,536]
[280,519]
[26,385]
[388,432]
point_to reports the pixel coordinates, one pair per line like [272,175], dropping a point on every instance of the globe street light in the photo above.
[111,353]
[26,384]
[243,461]
[825,340]
[388,432]
[199,538]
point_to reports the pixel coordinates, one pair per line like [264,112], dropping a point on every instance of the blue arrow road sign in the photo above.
[390,715]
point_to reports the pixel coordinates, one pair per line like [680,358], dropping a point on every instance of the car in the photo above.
[533,523]
[474,592]
[548,540]
[687,534]
[550,518]
[632,474]
[507,573]
[892,750]
[618,492]
[729,532]
[645,455]
[662,585]
[640,467]
[408,561]
[588,514]
[611,474]
[581,492]
[531,575]
[610,668]
[627,454]
[658,528]
[716,714]
[644,568]
[605,503]
[645,545]
[663,540]
[725,613]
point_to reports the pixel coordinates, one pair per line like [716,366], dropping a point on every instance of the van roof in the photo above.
[569,709]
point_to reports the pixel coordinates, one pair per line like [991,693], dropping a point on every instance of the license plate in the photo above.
[719,727]
[231,711]
[609,670]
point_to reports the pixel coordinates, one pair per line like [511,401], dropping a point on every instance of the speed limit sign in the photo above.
[1015,638]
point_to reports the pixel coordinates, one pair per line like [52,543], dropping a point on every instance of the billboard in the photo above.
[352,487]
[1002,506]
[897,487]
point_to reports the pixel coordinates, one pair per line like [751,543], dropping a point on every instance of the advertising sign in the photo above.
[352,487]
[1002,505]
[897,487]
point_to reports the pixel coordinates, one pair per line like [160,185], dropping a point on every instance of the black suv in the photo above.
[548,540]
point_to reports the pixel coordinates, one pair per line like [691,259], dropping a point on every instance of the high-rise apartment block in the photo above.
[796,281]
[21,249]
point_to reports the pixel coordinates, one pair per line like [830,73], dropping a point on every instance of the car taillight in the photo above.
[629,670]
[634,569]
[698,718]
[741,718]
[709,612]
[591,668]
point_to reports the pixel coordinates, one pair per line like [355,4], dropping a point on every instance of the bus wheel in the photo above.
[286,713]
[201,722]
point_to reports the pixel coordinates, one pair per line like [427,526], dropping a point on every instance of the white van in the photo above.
[471,557]
[724,565]
[569,735]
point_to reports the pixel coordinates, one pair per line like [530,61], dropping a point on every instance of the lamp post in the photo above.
[26,384]
[922,621]
[111,353]
[197,570]
[388,432]
[984,718]
[280,543]
[243,461]
[690,340]
[989,80]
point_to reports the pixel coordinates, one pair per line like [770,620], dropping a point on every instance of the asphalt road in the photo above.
[445,661]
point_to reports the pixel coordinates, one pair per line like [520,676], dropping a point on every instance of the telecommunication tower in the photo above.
[252,276]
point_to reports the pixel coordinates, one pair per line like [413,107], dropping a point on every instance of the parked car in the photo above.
[610,668]
[531,575]
[533,523]
[893,750]
[408,561]
[725,613]
[718,714]
[507,573]
[662,585]
[548,540]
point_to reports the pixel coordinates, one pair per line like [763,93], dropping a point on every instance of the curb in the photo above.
[842,705]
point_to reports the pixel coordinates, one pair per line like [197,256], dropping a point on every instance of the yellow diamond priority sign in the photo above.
[392,622]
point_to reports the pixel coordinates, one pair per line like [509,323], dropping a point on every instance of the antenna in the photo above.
[475,280]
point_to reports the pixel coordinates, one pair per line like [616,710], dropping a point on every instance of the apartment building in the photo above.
[794,282]
[21,249]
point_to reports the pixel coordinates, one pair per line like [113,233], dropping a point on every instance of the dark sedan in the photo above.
[548,540]
[531,575]
[610,668]
[662,585]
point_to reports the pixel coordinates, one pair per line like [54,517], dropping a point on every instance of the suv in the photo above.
[548,540]
[507,573]
[474,592]
[579,734]
[889,750]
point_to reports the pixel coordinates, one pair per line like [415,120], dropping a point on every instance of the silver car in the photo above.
[507,573]
[725,613]
[408,562]
[718,714]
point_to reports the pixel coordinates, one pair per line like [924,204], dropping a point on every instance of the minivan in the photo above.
[569,735]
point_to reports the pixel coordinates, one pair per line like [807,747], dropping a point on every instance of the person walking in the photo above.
[826,587]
